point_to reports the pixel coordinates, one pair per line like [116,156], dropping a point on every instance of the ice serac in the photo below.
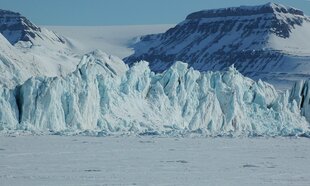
[301,93]
[9,113]
[103,94]
[266,42]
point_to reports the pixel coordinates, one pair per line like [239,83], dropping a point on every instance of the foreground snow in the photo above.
[56,160]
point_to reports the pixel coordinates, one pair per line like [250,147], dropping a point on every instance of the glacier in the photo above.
[104,95]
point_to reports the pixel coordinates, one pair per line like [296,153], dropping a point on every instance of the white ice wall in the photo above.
[103,94]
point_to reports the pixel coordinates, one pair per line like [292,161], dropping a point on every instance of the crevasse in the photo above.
[103,94]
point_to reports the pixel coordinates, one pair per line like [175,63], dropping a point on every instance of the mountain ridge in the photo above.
[245,11]
[16,27]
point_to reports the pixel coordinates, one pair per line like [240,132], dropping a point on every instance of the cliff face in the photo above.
[280,22]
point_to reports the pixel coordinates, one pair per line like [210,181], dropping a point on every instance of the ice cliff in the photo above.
[104,95]
[301,94]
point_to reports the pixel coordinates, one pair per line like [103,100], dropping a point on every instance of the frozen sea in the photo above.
[79,160]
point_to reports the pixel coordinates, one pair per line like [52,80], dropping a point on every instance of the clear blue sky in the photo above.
[123,12]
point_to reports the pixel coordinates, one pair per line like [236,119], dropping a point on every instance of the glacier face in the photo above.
[301,94]
[103,94]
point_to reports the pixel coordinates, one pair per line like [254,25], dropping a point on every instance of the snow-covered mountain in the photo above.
[28,50]
[17,28]
[105,96]
[268,42]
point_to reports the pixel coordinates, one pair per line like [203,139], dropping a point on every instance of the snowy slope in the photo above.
[268,42]
[16,66]
[102,94]
[115,40]
[11,71]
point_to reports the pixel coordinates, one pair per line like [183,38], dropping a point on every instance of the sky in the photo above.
[123,12]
